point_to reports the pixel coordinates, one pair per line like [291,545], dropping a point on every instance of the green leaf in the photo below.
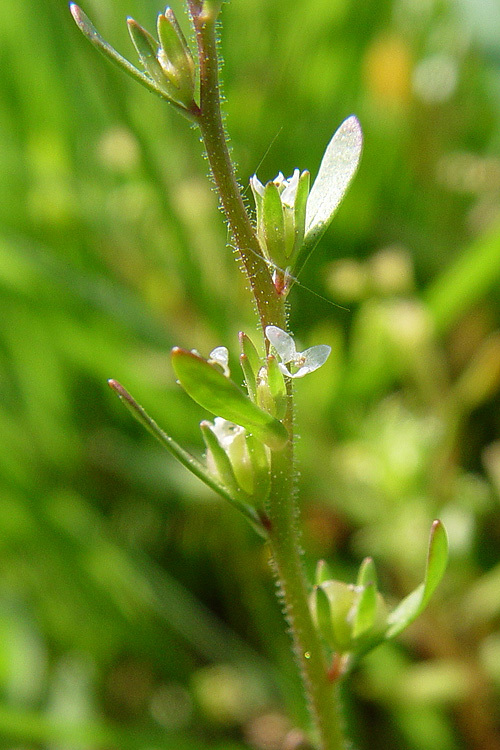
[249,376]
[186,459]
[409,609]
[466,280]
[221,396]
[336,171]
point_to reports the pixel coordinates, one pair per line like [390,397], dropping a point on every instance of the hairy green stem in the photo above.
[270,304]
[283,530]
[322,694]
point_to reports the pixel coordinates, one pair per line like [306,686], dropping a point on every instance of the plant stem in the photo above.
[283,531]
[284,540]
[270,304]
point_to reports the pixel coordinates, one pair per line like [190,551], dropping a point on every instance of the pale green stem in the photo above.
[283,530]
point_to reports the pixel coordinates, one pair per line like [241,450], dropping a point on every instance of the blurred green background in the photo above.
[136,610]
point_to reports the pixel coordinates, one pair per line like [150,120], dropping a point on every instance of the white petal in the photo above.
[225,431]
[299,374]
[221,355]
[256,185]
[336,171]
[288,194]
[314,358]
[282,342]
[285,371]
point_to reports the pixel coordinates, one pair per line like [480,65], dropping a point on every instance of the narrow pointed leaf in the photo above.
[222,397]
[186,459]
[277,386]
[336,171]
[414,603]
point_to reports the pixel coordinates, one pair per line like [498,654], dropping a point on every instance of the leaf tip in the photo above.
[119,389]
[78,15]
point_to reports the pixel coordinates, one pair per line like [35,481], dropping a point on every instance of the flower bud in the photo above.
[230,444]
[348,616]
[169,61]
[175,57]
[281,216]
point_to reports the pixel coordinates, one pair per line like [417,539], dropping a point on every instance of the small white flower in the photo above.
[281,215]
[232,439]
[305,215]
[220,356]
[227,432]
[302,362]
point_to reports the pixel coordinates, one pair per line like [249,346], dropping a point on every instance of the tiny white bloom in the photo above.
[220,356]
[226,432]
[305,362]
[232,439]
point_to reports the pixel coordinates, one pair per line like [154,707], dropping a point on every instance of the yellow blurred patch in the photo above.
[387,70]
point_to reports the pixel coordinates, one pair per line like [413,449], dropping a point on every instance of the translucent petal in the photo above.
[225,431]
[290,191]
[316,356]
[285,371]
[221,355]
[256,185]
[282,342]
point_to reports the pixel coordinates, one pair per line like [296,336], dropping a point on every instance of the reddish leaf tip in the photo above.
[76,12]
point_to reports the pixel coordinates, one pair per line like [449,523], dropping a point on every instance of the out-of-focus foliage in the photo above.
[136,610]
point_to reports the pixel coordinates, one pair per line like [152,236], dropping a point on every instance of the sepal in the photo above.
[218,459]
[248,348]
[147,48]
[277,387]
[174,56]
